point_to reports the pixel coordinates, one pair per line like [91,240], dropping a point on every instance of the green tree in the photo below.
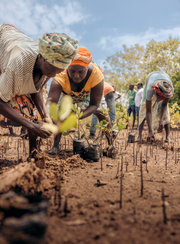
[132,65]
[126,67]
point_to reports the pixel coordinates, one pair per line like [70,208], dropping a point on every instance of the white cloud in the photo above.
[34,19]
[114,43]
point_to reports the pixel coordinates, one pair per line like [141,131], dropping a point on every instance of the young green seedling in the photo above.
[62,116]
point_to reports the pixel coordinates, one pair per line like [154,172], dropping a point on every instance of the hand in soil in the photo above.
[40,131]
[160,129]
[150,137]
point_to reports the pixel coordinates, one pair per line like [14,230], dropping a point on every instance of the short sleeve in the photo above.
[7,86]
[95,78]
[63,79]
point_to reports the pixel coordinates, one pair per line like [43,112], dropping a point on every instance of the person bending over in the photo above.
[25,66]
[154,107]
[84,82]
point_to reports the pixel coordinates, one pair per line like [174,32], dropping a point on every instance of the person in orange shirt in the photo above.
[111,95]
[84,82]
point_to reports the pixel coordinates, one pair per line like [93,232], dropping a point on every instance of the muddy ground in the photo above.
[85,200]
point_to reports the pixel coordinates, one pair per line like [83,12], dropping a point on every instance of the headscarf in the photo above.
[163,89]
[83,57]
[58,49]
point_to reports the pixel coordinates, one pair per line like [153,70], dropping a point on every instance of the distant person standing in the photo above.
[131,107]
[138,99]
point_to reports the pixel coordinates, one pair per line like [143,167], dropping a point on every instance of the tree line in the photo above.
[133,64]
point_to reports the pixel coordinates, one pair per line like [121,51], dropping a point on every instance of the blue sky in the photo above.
[102,26]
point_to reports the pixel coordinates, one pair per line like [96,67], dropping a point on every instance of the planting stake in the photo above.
[60,190]
[164,207]
[126,166]
[117,170]
[121,182]
[146,168]
[136,156]
[146,151]
[166,158]
[101,157]
[141,175]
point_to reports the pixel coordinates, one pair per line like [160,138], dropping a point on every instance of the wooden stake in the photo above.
[117,170]
[164,207]
[166,158]
[60,191]
[101,157]
[146,151]
[136,156]
[141,176]
[18,150]
[121,188]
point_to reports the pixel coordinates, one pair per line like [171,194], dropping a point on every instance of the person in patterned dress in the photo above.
[154,105]
[25,66]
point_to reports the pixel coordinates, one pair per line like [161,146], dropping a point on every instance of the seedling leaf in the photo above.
[54,111]
[70,122]
[65,108]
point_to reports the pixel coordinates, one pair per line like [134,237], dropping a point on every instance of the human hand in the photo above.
[39,130]
[150,137]
[48,119]
[160,129]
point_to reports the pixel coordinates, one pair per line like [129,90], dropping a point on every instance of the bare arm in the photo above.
[39,102]
[118,97]
[95,99]
[54,93]
[12,114]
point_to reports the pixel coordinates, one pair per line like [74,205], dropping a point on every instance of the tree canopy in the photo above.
[132,65]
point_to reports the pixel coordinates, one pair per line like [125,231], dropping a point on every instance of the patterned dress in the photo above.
[155,108]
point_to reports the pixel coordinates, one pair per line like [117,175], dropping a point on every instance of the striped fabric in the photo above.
[18,54]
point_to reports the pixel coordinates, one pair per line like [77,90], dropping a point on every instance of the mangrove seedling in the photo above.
[62,116]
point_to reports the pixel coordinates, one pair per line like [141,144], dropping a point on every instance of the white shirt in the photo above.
[116,94]
[138,97]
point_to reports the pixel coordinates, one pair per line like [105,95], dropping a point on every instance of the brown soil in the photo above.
[85,201]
